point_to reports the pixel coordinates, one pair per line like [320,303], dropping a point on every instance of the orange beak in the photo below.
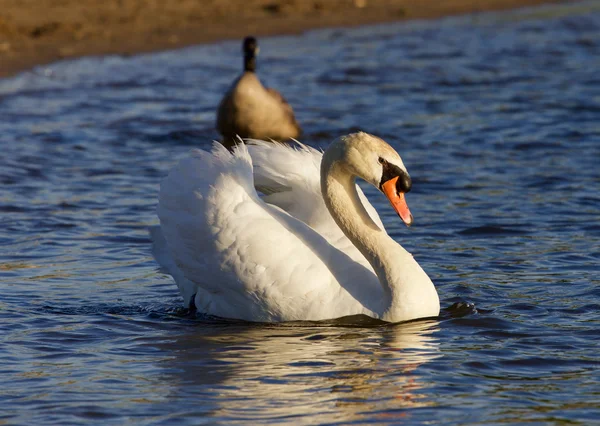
[397,200]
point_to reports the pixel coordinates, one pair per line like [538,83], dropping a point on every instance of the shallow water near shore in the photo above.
[497,118]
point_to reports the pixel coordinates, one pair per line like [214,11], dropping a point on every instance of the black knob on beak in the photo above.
[404,183]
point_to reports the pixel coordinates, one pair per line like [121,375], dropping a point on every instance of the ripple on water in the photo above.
[496,117]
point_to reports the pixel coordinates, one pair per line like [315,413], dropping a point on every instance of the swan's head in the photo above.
[375,161]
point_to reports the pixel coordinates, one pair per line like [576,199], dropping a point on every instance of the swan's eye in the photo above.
[381,160]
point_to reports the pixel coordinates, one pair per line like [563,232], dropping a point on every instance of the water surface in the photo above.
[496,116]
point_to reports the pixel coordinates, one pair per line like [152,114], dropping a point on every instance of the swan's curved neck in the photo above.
[381,251]
[407,290]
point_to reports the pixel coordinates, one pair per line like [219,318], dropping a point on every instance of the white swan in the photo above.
[235,255]
[250,110]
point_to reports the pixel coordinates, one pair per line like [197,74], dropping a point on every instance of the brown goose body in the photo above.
[250,110]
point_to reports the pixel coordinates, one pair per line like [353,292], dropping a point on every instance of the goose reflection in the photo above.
[328,373]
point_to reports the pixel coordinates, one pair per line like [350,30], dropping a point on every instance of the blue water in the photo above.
[497,118]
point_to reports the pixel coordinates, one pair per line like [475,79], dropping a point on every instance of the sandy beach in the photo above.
[36,32]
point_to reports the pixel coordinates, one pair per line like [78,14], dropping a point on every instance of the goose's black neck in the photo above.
[250,48]
[250,63]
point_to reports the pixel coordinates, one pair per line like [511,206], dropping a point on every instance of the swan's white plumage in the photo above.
[218,230]
[290,178]
[248,258]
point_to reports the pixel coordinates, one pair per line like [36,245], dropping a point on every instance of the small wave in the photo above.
[109,309]
[459,310]
[347,321]
[192,137]
[491,230]
[13,209]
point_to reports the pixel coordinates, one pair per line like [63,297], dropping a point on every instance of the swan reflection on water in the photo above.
[245,372]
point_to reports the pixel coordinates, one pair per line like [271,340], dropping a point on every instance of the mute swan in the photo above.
[249,110]
[234,255]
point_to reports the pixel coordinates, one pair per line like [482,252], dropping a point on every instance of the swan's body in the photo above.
[300,254]
[250,110]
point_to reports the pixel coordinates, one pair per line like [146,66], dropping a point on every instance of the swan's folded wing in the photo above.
[289,177]
[255,261]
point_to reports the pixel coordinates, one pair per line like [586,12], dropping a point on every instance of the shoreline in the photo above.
[76,28]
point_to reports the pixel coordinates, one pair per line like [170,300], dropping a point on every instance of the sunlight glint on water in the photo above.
[497,119]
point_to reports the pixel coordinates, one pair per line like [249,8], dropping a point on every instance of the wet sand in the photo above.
[36,32]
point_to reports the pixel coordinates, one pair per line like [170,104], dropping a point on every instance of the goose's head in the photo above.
[250,49]
[375,161]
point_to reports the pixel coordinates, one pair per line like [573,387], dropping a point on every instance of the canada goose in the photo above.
[250,110]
